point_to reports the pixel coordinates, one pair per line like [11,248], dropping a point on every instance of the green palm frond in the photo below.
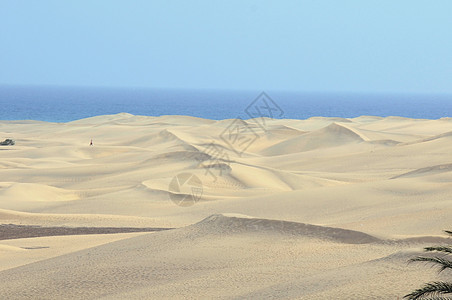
[437,298]
[444,249]
[437,290]
[434,289]
[443,263]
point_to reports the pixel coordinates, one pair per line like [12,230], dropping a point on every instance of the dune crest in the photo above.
[333,135]
[227,224]
[35,192]
[426,171]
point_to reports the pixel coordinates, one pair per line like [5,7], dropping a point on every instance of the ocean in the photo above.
[63,104]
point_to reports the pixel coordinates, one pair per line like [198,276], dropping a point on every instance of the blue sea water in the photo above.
[63,104]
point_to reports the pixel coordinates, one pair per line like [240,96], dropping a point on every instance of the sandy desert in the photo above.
[322,208]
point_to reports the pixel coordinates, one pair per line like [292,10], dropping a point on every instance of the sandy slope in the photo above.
[337,206]
[18,252]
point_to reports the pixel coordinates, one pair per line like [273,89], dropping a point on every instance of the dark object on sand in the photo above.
[7,142]
[12,231]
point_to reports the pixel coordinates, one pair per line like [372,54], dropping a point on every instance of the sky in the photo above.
[323,46]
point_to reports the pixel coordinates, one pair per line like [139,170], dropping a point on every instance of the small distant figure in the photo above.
[91,143]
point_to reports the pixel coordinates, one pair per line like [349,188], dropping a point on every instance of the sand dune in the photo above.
[35,192]
[329,136]
[227,224]
[270,258]
[427,171]
[341,202]
[19,252]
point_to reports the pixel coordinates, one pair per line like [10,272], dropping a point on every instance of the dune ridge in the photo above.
[233,224]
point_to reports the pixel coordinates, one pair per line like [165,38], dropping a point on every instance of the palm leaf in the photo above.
[440,261]
[439,249]
[435,289]
[437,298]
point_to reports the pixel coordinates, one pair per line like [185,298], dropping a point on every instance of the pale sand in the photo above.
[377,189]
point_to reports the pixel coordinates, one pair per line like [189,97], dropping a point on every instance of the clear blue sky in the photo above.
[330,46]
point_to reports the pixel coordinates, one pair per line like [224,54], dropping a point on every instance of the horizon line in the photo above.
[231,90]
